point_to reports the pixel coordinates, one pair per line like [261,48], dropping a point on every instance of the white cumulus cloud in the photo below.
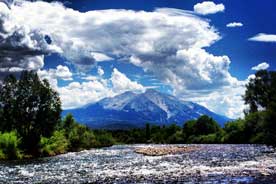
[262,37]
[261,66]
[234,24]
[78,94]
[122,83]
[52,75]
[208,7]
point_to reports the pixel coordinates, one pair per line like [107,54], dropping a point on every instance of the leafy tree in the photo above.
[31,107]
[235,132]
[68,124]
[188,129]
[260,95]
[206,125]
[261,91]
[8,103]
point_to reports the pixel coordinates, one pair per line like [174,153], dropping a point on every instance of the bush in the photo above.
[104,139]
[9,143]
[56,144]
[234,132]
[81,137]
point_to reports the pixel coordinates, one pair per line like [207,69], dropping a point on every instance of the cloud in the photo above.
[234,24]
[78,94]
[100,71]
[262,37]
[83,93]
[21,48]
[167,38]
[227,101]
[261,66]
[100,57]
[121,83]
[63,72]
[208,7]
[52,75]
[167,43]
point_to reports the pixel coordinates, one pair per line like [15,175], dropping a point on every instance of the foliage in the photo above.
[30,107]
[235,132]
[195,130]
[56,144]
[104,139]
[80,137]
[9,146]
[261,91]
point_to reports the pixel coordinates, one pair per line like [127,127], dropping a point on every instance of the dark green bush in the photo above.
[104,139]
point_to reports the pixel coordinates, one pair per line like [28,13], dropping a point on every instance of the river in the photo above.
[120,164]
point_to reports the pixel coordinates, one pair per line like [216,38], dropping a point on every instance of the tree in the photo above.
[148,131]
[31,107]
[260,95]
[261,91]
[235,132]
[7,103]
[206,125]
[68,124]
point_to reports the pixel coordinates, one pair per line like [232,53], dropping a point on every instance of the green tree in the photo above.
[205,125]
[8,103]
[189,128]
[31,107]
[261,91]
[148,131]
[68,124]
[260,95]
[234,132]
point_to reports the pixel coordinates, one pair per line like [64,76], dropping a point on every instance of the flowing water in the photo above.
[120,164]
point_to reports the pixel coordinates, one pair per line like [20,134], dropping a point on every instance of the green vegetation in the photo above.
[202,130]
[29,107]
[9,146]
[30,116]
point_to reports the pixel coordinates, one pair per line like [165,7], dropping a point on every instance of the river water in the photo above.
[120,164]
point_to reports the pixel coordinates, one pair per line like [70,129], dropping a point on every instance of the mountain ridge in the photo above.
[131,109]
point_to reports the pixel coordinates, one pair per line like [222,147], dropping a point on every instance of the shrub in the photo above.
[9,146]
[81,137]
[56,144]
[104,139]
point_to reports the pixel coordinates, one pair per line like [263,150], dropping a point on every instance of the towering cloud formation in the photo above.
[168,43]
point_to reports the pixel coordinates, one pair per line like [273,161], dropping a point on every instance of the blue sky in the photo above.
[102,48]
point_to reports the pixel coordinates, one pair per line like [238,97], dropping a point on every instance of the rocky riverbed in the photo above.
[165,150]
[120,164]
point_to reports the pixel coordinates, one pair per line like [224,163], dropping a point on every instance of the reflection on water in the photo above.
[119,164]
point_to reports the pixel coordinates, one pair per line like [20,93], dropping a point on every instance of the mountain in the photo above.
[132,110]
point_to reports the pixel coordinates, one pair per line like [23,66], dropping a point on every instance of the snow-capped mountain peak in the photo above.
[134,110]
